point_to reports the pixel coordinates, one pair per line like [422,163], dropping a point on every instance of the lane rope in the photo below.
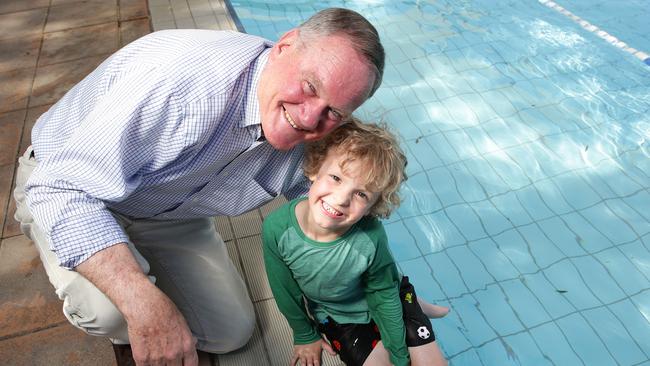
[644,57]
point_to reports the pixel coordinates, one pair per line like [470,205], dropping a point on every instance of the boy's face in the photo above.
[338,198]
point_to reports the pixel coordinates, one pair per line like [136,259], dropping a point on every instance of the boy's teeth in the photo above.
[291,122]
[330,209]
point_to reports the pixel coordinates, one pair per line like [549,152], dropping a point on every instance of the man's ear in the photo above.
[288,39]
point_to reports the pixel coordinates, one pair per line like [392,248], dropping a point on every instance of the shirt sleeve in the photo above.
[382,293]
[286,291]
[103,161]
[300,189]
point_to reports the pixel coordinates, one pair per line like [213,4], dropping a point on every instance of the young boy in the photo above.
[330,251]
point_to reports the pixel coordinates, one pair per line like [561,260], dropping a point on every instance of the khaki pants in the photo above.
[186,259]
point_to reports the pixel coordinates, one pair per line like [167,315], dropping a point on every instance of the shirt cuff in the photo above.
[76,238]
[311,337]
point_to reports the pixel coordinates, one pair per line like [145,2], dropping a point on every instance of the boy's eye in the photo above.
[335,178]
[362,195]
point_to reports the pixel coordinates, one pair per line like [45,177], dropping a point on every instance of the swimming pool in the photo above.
[527,208]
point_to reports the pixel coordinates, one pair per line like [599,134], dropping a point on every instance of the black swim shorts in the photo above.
[354,342]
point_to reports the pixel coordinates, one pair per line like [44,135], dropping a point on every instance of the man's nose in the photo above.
[312,113]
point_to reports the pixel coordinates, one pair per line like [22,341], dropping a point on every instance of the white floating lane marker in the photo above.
[599,32]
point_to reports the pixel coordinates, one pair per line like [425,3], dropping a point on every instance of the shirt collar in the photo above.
[252,112]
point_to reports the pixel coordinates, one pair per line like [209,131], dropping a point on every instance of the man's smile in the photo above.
[289,119]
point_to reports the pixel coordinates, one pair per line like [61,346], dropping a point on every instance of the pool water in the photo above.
[527,208]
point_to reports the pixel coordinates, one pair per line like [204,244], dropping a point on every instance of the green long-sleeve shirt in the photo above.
[351,279]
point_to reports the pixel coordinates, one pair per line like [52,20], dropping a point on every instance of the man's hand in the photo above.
[158,333]
[310,354]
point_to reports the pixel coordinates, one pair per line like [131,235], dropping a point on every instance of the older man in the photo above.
[174,128]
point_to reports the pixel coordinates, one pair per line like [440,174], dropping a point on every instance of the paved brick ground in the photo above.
[46,47]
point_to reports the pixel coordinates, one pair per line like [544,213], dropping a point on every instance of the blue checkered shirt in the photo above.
[166,128]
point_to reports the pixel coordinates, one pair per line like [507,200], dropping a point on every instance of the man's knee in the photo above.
[91,311]
[245,331]
[231,337]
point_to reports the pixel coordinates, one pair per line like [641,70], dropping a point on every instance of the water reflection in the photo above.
[529,174]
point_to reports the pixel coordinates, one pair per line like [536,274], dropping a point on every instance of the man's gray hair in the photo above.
[362,35]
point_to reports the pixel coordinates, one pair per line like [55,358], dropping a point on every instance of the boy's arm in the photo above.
[286,291]
[382,293]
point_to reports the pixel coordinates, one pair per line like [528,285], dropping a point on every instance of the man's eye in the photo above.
[335,116]
[310,88]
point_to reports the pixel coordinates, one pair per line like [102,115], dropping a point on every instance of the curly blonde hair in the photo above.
[376,148]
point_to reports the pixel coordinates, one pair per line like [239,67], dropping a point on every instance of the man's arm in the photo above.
[124,122]
[116,273]
[67,195]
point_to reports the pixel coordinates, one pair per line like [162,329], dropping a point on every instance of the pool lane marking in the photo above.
[599,32]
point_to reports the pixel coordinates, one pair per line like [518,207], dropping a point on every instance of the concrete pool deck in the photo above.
[46,47]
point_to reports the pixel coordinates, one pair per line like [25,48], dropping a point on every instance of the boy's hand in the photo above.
[310,354]
[328,347]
